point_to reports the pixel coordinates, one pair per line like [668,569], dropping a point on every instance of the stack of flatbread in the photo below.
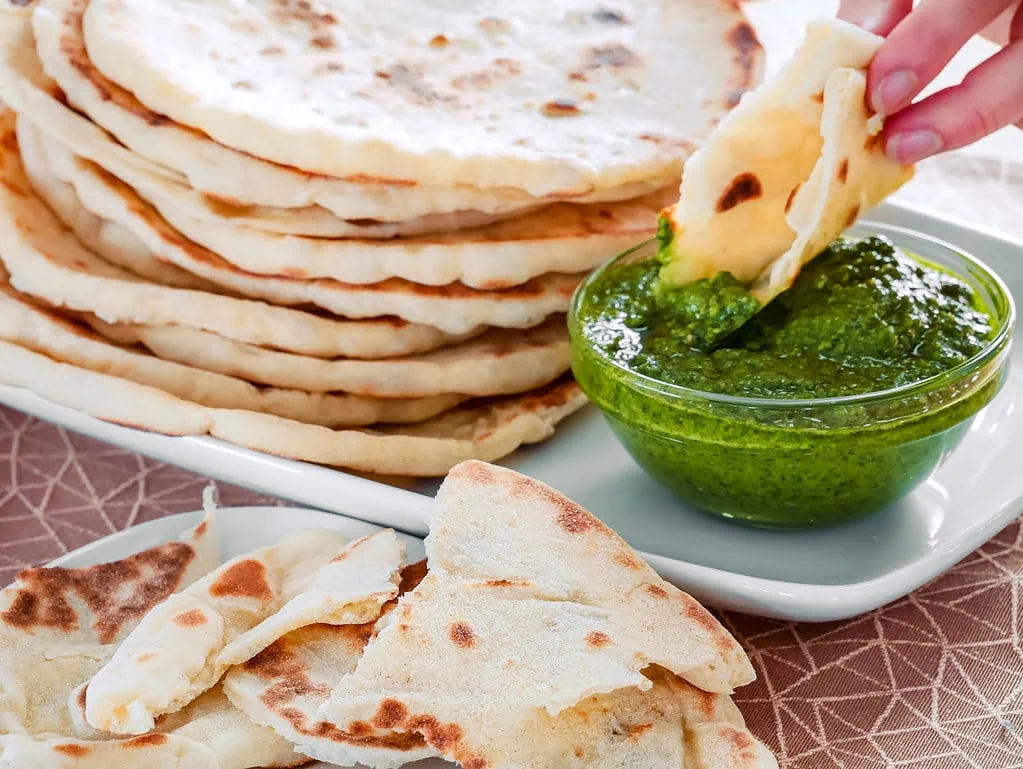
[533,637]
[280,221]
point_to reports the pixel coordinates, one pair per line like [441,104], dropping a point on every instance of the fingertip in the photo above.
[908,147]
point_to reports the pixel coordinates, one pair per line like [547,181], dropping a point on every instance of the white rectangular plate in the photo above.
[813,575]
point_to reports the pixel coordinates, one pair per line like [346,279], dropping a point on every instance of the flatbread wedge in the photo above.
[183,646]
[740,191]
[540,606]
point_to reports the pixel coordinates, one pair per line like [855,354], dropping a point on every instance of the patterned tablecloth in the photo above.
[933,680]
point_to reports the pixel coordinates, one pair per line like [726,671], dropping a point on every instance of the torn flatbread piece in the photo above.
[852,175]
[351,589]
[285,685]
[741,190]
[174,654]
[539,606]
[58,626]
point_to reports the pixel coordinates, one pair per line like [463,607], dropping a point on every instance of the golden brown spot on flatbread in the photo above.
[818,97]
[444,737]
[245,579]
[596,639]
[504,583]
[740,739]
[563,107]
[635,731]
[657,591]
[302,11]
[609,16]
[854,214]
[792,197]
[72,749]
[579,751]
[145,657]
[745,44]
[744,187]
[190,618]
[323,42]
[697,613]
[390,714]
[360,728]
[461,635]
[150,740]
[271,50]
[706,701]
[613,56]
[871,142]
[411,576]
[628,560]
[277,661]
[578,77]
[82,696]
[843,171]
[201,528]
[439,41]
[148,578]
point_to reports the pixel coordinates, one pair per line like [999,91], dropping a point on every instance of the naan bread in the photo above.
[453,307]
[171,656]
[539,606]
[852,175]
[46,261]
[738,188]
[485,429]
[118,246]
[58,625]
[38,328]
[559,97]
[213,180]
[562,238]
[349,590]
[286,685]
[184,645]
[500,361]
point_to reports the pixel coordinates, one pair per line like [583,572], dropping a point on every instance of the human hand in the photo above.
[920,42]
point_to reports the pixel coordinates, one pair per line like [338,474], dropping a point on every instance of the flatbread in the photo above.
[500,362]
[184,645]
[454,307]
[286,685]
[558,98]
[44,260]
[38,328]
[118,246]
[212,180]
[519,573]
[731,213]
[563,238]
[58,626]
[853,175]
[488,429]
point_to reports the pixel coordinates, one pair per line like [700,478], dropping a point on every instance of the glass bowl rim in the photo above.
[929,384]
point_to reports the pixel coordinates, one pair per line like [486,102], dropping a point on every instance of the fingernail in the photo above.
[894,92]
[911,146]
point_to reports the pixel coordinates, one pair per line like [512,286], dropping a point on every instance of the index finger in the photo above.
[922,44]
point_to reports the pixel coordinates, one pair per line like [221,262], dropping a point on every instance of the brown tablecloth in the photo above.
[932,681]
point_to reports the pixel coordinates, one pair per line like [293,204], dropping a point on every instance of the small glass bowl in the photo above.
[800,463]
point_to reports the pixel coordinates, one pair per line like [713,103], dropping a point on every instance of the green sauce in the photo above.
[861,318]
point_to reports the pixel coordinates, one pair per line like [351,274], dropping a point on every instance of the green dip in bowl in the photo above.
[838,398]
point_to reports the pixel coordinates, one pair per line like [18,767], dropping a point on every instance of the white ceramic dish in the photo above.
[241,529]
[813,576]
